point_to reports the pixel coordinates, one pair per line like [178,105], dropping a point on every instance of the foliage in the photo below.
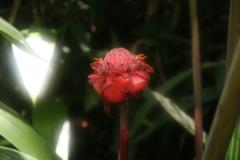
[86,30]
[11,154]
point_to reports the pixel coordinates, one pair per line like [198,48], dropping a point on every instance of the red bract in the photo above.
[120,75]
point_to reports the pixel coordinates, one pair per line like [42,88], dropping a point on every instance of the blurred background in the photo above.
[86,29]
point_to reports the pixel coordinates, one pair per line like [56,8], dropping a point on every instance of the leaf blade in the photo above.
[22,136]
[176,113]
[12,154]
[14,36]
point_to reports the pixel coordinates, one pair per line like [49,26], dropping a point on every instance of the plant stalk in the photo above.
[196,79]
[123,132]
[228,107]
[233,30]
[227,112]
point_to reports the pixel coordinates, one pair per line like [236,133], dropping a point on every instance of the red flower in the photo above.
[120,75]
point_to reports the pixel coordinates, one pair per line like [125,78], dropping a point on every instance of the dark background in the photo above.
[89,28]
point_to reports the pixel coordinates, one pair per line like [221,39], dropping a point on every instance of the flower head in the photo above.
[120,75]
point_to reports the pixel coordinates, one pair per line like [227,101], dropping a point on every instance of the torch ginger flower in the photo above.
[120,75]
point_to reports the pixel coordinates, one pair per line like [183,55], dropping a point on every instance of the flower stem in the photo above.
[124,131]
[196,79]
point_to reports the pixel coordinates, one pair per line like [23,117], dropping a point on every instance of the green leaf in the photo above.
[208,95]
[233,152]
[176,113]
[12,154]
[14,36]
[227,113]
[164,89]
[48,117]
[22,136]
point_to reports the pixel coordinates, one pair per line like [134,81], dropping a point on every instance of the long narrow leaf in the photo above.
[12,154]
[14,36]
[233,29]
[176,113]
[164,89]
[233,34]
[227,112]
[233,149]
[22,136]
[155,124]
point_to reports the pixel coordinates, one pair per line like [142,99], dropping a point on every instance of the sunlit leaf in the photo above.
[12,154]
[22,136]
[13,35]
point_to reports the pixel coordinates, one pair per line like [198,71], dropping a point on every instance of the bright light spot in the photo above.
[34,70]
[84,47]
[66,49]
[62,148]
[84,124]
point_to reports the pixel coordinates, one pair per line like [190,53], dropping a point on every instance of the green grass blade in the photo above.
[22,136]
